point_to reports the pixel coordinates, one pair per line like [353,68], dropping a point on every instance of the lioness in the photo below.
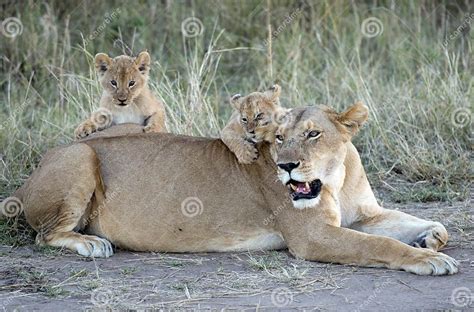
[253,121]
[126,97]
[171,193]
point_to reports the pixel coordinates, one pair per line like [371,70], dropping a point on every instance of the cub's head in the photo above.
[123,77]
[257,113]
[310,148]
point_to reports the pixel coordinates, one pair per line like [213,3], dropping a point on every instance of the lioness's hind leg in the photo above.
[85,245]
[405,228]
[57,200]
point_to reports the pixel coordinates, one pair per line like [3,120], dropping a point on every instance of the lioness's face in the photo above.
[123,77]
[257,112]
[310,148]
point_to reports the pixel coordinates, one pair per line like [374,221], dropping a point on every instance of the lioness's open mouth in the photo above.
[304,190]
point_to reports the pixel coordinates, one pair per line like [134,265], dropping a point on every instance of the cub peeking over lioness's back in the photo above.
[253,121]
[126,97]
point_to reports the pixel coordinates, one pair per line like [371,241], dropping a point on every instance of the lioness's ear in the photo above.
[143,62]
[273,94]
[102,62]
[235,101]
[353,118]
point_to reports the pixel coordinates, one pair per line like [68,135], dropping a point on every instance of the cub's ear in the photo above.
[143,62]
[236,100]
[102,62]
[352,119]
[273,94]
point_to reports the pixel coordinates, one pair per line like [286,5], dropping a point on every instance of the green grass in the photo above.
[411,82]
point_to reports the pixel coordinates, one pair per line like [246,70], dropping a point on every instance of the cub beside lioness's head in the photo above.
[253,121]
[123,77]
[257,112]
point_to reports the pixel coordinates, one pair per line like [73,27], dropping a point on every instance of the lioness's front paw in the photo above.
[248,154]
[85,129]
[432,263]
[434,238]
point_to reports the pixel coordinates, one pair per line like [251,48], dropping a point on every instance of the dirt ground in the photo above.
[33,278]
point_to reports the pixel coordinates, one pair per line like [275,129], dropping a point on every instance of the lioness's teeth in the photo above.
[307,185]
[293,187]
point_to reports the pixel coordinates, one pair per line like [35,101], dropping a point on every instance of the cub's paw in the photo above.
[434,238]
[247,153]
[93,246]
[85,129]
[432,263]
[151,128]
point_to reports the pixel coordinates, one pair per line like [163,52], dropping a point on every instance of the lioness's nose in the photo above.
[289,166]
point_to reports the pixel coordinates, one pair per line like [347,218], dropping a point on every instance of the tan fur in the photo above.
[121,102]
[253,121]
[168,193]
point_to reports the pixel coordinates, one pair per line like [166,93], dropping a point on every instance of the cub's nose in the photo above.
[289,166]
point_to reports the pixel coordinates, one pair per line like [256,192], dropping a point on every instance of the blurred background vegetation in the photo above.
[413,68]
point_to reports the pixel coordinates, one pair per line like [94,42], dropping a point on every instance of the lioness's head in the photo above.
[310,148]
[257,112]
[123,77]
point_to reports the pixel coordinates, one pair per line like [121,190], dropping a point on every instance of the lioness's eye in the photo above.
[314,134]
[131,83]
[279,138]
[244,119]
[113,83]
[259,116]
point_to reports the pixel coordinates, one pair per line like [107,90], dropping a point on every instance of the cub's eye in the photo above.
[131,83]
[259,116]
[113,83]
[314,134]
[244,120]
[279,138]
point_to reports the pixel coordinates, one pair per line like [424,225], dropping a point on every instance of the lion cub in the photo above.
[253,121]
[126,97]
